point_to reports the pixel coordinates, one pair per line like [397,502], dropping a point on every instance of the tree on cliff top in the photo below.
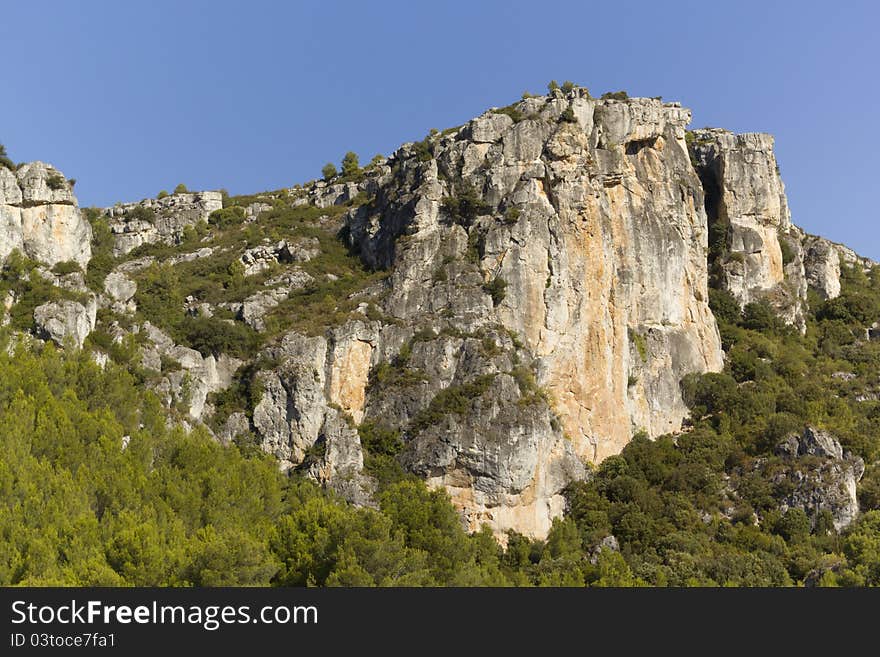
[4,159]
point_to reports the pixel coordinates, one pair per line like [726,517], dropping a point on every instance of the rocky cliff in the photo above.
[537,288]
[39,216]
[160,220]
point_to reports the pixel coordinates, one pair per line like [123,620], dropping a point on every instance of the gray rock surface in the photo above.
[745,199]
[193,377]
[66,323]
[159,220]
[819,475]
[39,216]
[121,290]
[306,414]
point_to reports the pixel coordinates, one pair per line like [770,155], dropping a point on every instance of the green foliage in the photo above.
[350,165]
[378,439]
[180,189]
[329,171]
[641,344]
[162,194]
[425,149]
[454,400]
[4,159]
[21,276]
[788,253]
[56,182]
[141,213]
[568,86]
[724,306]
[552,86]
[214,336]
[497,289]
[568,115]
[615,95]
[511,110]
[102,250]
[66,267]
[227,217]
[465,206]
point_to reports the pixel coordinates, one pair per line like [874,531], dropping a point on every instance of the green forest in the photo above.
[97,488]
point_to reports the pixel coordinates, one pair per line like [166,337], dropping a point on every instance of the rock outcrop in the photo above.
[66,323]
[820,476]
[187,376]
[307,413]
[39,216]
[758,250]
[160,220]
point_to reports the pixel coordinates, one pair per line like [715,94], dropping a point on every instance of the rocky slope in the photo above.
[542,289]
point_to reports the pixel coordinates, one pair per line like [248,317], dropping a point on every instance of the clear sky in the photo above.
[133,97]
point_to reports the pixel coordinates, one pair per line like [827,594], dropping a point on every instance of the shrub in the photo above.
[425,149]
[102,249]
[615,95]
[329,171]
[568,86]
[641,344]
[454,400]
[497,289]
[568,115]
[788,253]
[552,86]
[141,213]
[510,111]
[226,217]
[379,439]
[4,159]
[56,181]
[180,189]
[465,206]
[162,194]
[724,306]
[759,316]
[511,215]
[214,336]
[66,267]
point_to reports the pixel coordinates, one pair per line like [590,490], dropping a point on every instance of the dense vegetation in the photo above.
[97,490]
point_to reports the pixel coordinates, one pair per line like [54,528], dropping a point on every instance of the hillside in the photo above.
[570,324]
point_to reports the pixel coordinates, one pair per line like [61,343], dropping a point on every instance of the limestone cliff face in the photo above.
[39,216]
[591,218]
[596,224]
[759,250]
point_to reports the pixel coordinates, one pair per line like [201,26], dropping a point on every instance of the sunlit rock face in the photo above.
[40,217]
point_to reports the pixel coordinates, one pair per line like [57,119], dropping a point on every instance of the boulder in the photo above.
[66,323]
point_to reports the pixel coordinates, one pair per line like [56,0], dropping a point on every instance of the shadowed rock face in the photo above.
[39,216]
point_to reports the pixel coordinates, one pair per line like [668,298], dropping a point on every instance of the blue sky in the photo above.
[131,98]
